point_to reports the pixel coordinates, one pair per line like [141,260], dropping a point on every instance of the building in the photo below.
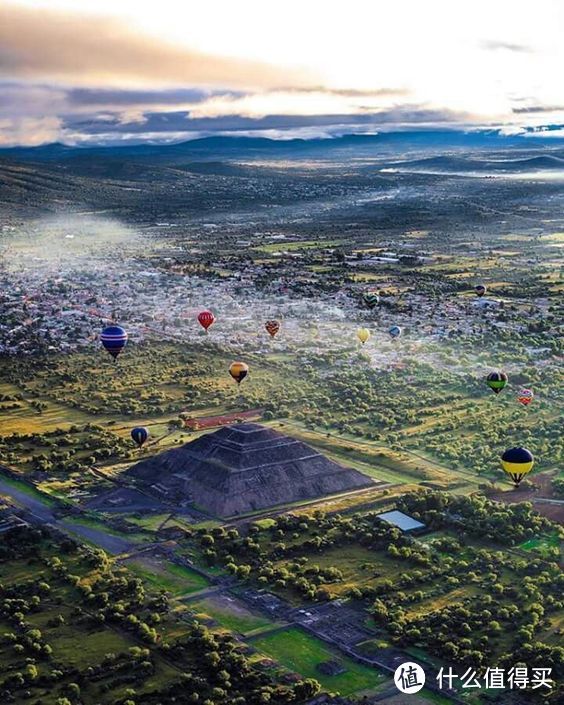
[402,521]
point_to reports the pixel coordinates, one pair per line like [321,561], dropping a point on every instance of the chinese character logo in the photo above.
[409,677]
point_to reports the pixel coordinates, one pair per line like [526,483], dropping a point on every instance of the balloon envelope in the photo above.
[525,397]
[114,340]
[496,381]
[371,299]
[395,331]
[272,326]
[363,334]
[517,462]
[239,370]
[480,289]
[206,319]
[139,435]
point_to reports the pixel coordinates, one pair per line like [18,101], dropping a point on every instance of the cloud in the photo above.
[177,127]
[348,92]
[295,102]
[497,45]
[532,109]
[97,51]
[98,98]
[20,100]
[89,110]
[29,132]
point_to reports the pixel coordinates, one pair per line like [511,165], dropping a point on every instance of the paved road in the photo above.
[110,543]
[28,501]
[41,512]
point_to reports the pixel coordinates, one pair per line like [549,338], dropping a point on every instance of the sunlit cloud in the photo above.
[29,131]
[130,71]
[318,102]
[103,51]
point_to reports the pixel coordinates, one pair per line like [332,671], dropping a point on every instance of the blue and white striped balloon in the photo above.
[114,340]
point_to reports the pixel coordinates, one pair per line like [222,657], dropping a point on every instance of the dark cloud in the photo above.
[182,126]
[495,45]
[92,50]
[117,97]
[532,109]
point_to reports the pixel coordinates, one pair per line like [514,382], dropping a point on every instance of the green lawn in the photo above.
[359,565]
[301,652]
[230,613]
[161,574]
[28,490]
[539,544]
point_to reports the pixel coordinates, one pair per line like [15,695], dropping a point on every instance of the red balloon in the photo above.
[525,397]
[206,319]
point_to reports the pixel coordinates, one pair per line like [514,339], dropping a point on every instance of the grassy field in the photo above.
[359,566]
[302,653]
[229,612]
[164,575]
[374,459]
[542,544]
[75,643]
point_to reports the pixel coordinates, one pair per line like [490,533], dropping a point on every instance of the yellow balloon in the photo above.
[517,462]
[238,370]
[363,334]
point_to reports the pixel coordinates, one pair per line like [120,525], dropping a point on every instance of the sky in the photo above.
[127,71]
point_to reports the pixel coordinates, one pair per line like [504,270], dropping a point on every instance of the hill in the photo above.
[449,163]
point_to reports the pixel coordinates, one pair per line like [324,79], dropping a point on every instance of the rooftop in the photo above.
[401,520]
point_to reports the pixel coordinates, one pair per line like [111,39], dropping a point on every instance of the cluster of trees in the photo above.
[60,452]
[558,486]
[501,627]
[454,426]
[507,524]
[281,556]
[515,596]
[20,542]
[347,400]
[221,673]
[166,369]
[213,667]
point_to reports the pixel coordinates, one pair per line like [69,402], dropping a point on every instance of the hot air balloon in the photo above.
[238,370]
[363,334]
[371,299]
[517,462]
[496,381]
[525,397]
[114,340]
[480,289]
[395,331]
[206,319]
[272,327]
[139,435]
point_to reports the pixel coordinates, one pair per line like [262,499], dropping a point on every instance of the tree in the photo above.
[73,691]
[306,689]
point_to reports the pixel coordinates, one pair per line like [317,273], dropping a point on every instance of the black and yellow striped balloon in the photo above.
[239,370]
[517,462]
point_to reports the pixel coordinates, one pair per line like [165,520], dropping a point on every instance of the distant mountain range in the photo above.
[463,164]
[229,145]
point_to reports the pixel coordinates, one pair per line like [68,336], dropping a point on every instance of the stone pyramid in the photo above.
[243,468]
